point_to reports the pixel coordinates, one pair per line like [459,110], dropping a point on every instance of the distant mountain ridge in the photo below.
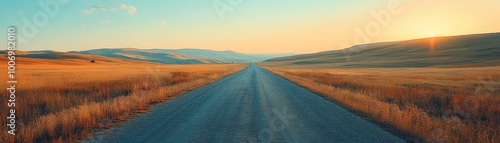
[179,56]
[452,51]
[143,55]
[165,56]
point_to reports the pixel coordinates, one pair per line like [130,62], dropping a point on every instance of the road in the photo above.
[252,105]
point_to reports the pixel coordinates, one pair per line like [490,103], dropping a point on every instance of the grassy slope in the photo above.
[457,51]
[61,58]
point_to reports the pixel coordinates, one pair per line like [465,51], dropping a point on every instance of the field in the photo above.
[424,104]
[68,101]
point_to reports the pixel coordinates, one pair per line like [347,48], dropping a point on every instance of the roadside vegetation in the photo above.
[65,103]
[425,104]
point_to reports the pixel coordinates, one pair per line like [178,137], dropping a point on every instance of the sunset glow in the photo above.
[432,44]
[256,26]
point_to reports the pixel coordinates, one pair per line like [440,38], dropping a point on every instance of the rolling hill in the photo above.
[179,56]
[63,58]
[454,51]
[131,55]
[146,55]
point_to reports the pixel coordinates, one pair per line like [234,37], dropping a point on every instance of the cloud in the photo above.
[100,7]
[107,21]
[123,6]
[163,22]
[131,9]
[94,8]
[87,11]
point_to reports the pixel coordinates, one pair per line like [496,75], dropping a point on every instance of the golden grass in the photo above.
[61,103]
[426,104]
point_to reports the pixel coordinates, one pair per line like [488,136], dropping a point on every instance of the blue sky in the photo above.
[253,26]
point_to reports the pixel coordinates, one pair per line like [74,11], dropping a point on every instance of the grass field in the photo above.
[67,101]
[425,104]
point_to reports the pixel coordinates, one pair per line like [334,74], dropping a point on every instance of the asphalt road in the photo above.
[252,105]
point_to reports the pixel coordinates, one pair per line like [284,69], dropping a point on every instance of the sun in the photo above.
[432,42]
[431,34]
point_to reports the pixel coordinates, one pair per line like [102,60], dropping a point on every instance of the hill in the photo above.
[179,56]
[454,51]
[63,58]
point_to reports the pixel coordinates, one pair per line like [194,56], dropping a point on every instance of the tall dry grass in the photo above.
[430,105]
[58,103]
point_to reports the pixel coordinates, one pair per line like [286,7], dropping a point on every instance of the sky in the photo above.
[247,26]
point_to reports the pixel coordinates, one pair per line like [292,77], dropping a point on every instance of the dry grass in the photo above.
[426,104]
[61,103]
